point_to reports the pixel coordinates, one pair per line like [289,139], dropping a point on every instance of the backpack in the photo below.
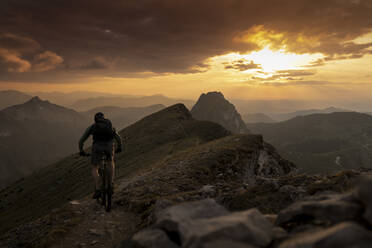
[103,130]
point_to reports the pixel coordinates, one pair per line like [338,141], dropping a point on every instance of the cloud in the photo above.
[166,36]
[18,43]
[46,61]
[12,62]
[97,63]
[286,75]
[242,65]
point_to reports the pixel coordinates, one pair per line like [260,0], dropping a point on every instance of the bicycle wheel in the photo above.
[100,175]
[103,189]
[108,190]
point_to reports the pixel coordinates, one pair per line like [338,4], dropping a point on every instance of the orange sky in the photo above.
[283,50]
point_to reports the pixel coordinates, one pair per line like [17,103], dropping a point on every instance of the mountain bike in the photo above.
[106,187]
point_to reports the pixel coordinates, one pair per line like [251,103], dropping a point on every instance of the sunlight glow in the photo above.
[267,62]
[272,61]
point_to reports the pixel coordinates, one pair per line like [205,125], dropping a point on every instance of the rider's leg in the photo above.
[95,175]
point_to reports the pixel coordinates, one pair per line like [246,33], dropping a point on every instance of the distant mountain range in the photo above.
[287,116]
[12,97]
[67,99]
[125,102]
[123,117]
[322,142]
[257,118]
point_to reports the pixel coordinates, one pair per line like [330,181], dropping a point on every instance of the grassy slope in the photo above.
[147,142]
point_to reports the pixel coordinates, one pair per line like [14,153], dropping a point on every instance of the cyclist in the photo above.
[103,143]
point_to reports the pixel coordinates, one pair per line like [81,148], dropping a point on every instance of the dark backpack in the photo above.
[103,130]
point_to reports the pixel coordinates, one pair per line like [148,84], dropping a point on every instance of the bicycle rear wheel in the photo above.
[103,189]
[109,190]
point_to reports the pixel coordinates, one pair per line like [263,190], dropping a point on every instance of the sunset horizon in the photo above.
[296,50]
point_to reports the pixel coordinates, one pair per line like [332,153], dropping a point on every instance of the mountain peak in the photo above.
[38,109]
[213,106]
[36,99]
[213,94]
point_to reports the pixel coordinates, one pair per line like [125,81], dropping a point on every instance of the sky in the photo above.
[256,49]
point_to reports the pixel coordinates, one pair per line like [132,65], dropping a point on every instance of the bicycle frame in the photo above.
[106,190]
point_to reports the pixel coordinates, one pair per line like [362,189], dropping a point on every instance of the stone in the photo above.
[342,235]
[96,232]
[153,238]
[249,226]
[293,192]
[271,217]
[279,233]
[170,218]
[208,189]
[331,207]
[226,244]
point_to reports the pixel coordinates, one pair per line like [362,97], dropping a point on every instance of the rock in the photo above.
[170,218]
[153,238]
[364,195]
[250,227]
[293,192]
[271,217]
[74,202]
[279,233]
[332,207]
[343,235]
[96,232]
[160,205]
[226,244]
[208,190]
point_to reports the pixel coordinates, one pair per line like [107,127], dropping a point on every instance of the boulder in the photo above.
[170,218]
[153,238]
[226,244]
[250,227]
[332,207]
[342,235]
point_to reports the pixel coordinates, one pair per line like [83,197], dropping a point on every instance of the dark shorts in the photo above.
[102,149]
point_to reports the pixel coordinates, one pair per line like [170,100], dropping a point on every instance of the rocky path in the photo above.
[97,228]
[79,223]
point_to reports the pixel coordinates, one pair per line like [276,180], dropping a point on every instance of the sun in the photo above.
[272,61]
[268,61]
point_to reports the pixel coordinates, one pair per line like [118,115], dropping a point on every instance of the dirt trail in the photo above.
[97,228]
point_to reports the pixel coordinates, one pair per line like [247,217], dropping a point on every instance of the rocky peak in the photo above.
[38,109]
[214,107]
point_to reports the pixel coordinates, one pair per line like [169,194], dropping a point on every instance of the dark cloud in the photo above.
[97,63]
[174,36]
[242,65]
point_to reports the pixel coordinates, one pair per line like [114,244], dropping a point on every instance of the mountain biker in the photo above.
[103,143]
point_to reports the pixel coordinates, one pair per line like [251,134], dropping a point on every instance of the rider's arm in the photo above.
[85,137]
[118,139]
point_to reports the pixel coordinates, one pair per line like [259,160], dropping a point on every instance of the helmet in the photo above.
[98,116]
